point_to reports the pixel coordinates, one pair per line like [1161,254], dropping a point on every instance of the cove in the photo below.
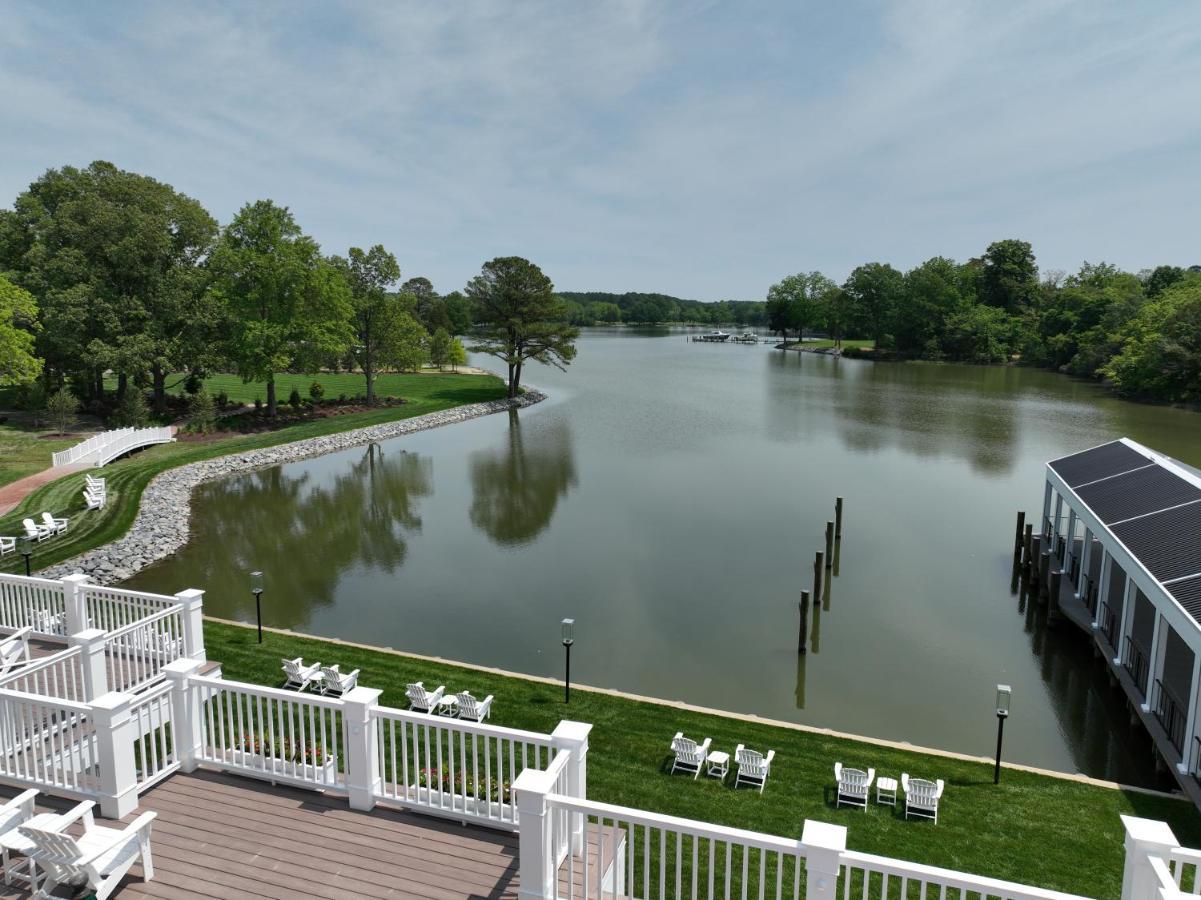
[670,496]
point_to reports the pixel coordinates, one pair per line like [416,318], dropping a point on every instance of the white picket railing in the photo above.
[48,743]
[155,753]
[32,601]
[866,875]
[137,653]
[59,675]
[271,733]
[465,769]
[108,445]
[111,609]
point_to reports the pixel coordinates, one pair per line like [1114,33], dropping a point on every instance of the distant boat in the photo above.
[716,336]
[747,338]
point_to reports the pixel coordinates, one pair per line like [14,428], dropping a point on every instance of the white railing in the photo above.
[270,733]
[108,445]
[865,875]
[627,852]
[137,653]
[111,609]
[155,755]
[444,765]
[59,675]
[32,601]
[48,743]
[1186,869]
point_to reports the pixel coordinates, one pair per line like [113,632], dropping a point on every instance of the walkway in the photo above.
[13,493]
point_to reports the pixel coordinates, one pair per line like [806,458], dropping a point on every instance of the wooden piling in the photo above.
[818,569]
[803,637]
[1027,559]
[1053,591]
[829,545]
[838,517]
[1017,540]
[1044,572]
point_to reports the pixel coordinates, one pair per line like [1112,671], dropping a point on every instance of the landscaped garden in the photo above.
[1035,829]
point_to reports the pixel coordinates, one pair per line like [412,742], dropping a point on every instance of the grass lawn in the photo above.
[827,344]
[23,451]
[1044,831]
[351,384]
[127,477]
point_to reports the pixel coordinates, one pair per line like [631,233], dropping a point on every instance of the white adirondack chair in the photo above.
[56,526]
[753,767]
[690,755]
[921,797]
[93,482]
[35,531]
[97,860]
[421,700]
[20,811]
[853,785]
[94,500]
[335,683]
[298,675]
[7,545]
[14,649]
[472,708]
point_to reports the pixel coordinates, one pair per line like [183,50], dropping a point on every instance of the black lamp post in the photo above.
[256,588]
[568,640]
[1004,694]
[26,543]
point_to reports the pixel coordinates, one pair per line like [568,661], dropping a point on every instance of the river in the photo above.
[670,496]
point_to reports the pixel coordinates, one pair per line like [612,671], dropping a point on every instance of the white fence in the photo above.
[47,743]
[154,750]
[60,675]
[138,652]
[865,875]
[111,609]
[108,445]
[32,601]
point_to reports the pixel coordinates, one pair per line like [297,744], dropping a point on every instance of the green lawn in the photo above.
[351,384]
[23,451]
[1034,829]
[827,344]
[127,477]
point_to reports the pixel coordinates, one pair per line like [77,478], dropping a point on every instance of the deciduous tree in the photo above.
[18,321]
[376,313]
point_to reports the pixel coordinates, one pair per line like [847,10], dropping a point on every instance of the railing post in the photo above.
[93,662]
[75,603]
[114,754]
[573,737]
[193,623]
[362,747]
[824,846]
[1146,839]
[535,849]
[185,711]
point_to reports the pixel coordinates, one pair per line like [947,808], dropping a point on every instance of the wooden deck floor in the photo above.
[223,836]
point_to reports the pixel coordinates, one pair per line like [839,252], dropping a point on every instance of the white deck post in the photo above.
[1069,552]
[1055,526]
[1146,839]
[186,731]
[1190,723]
[362,747]
[95,671]
[573,737]
[824,845]
[535,850]
[193,623]
[1153,661]
[1128,616]
[1102,586]
[75,605]
[114,754]
[1086,560]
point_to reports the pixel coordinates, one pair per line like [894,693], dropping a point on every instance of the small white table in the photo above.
[14,841]
[718,764]
[448,706]
[886,791]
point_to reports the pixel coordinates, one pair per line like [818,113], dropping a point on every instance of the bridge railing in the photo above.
[108,445]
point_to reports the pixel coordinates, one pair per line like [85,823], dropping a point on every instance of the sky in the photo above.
[703,150]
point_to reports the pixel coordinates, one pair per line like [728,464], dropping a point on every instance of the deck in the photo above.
[223,836]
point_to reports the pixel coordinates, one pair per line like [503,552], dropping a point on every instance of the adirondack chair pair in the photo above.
[854,786]
[753,767]
[14,649]
[329,680]
[465,705]
[921,797]
[94,862]
[49,527]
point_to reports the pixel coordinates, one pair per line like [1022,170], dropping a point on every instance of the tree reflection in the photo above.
[304,535]
[517,488]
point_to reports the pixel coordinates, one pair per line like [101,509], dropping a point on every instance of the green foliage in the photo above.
[316,391]
[377,315]
[202,412]
[1009,276]
[874,292]
[31,398]
[798,302]
[458,312]
[62,406]
[18,323]
[294,399]
[439,348]
[405,350]
[132,411]
[519,317]
[1161,347]
[458,353]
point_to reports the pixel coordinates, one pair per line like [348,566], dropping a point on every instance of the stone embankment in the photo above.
[161,525]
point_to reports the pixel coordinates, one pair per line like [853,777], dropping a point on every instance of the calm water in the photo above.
[670,497]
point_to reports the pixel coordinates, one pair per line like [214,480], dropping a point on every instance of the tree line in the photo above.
[106,273]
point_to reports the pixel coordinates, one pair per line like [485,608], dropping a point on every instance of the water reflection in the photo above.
[516,488]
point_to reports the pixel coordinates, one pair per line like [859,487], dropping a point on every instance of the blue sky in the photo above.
[698,149]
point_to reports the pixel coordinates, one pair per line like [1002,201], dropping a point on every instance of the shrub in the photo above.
[193,384]
[222,399]
[294,399]
[62,406]
[132,411]
[202,412]
[342,398]
[258,402]
[31,398]
[316,391]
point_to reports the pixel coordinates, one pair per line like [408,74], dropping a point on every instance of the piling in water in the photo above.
[829,545]
[1044,572]
[1017,540]
[1053,591]
[838,517]
[1028,558]
[803,637]
[818,570]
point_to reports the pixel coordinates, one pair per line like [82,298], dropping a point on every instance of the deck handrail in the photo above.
[949,878]
[106,446]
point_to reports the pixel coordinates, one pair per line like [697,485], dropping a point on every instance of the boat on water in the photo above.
[747,338]
[715,336]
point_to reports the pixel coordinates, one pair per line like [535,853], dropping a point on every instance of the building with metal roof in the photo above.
[1124,523]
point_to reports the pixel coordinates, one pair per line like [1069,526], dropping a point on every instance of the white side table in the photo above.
[886,791]
[718,764]
[13,841]
[448,706]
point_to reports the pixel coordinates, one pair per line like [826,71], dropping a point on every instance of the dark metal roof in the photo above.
[1188,592]
[1137,493]
[1167,543]
[1099,462]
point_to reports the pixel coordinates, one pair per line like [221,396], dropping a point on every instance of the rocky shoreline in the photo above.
[162,524]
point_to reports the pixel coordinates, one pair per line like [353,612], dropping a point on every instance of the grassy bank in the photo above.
[827,344]
[1035,829]
[127,477]
[24,451]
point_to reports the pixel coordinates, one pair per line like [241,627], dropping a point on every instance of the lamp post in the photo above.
[568,640]
[256,588]
[1004,694]
[26,543]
